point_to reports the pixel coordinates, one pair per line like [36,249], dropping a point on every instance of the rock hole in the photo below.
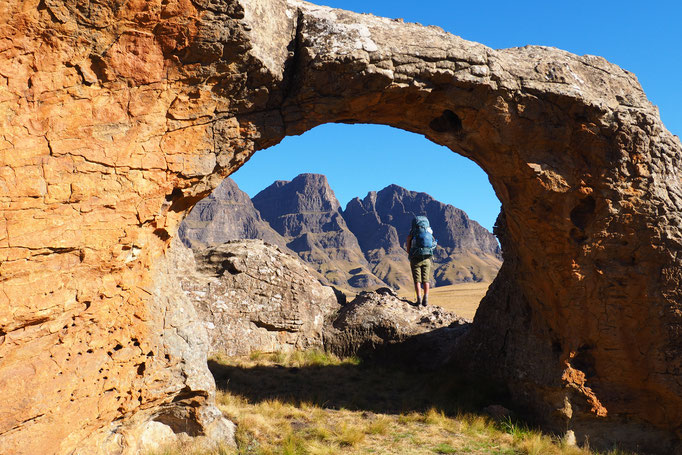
[448,122]
[99,67]
[175,194]
[140,369]
[118,347]
[162,234]
[584,361]
[582,214]
[230,267]
[179,420]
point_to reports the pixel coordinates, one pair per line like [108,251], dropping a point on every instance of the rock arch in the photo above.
[118,117]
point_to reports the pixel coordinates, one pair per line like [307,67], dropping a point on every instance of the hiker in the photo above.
[420,247]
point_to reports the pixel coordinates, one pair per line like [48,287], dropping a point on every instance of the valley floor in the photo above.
[313,403]
[462,299]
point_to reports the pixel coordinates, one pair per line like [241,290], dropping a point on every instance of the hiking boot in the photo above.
[424,301]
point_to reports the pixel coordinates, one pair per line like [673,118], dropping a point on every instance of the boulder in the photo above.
[251,296]
[382,327]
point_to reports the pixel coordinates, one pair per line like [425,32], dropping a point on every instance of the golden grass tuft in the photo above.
[349,435]
[379,425]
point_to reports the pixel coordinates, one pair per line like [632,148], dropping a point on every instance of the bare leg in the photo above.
[426,293]
[418,290]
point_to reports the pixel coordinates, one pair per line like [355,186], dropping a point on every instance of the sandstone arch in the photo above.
[118,116]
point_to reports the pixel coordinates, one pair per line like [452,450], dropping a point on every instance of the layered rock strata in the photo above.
[253,297]
[118,116]
[226,214]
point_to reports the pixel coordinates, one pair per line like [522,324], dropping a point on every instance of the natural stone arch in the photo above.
[583,322]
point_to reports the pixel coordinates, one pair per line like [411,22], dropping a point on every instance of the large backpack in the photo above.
[423,242]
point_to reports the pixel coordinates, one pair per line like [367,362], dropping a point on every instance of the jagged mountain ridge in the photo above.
[226,214]
[381,221]
[307,214]
[361,247]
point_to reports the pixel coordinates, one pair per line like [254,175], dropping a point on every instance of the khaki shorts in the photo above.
[421,269]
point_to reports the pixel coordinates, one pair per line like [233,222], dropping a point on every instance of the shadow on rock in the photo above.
[382,328]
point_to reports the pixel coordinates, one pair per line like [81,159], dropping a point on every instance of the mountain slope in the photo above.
[359,248]
[381,222]
[307,214]
[226,214]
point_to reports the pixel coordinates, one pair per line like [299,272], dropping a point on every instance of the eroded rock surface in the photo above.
[118,116]
[251,296]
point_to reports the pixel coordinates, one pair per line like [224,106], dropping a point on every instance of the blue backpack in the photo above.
[423,242]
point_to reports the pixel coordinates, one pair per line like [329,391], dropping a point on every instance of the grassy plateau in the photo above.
[312,403]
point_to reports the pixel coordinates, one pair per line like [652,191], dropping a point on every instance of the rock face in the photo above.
[383,327]
[253,297]
[307,214]
[226,214]
[191,413]
[466,250]
[118,116]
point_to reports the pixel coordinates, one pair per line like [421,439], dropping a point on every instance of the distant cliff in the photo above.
[381,222]
[361,247]
[307,214]
[226,214]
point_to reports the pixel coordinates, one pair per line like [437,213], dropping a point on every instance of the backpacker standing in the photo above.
[420,247]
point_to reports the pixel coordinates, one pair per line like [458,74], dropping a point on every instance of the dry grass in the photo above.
[313,403]
[462,299]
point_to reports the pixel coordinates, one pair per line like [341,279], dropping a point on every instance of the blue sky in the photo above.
[642,37]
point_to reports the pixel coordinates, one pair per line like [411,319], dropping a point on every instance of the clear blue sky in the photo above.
[642,37]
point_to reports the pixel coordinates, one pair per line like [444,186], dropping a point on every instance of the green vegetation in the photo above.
[312,403]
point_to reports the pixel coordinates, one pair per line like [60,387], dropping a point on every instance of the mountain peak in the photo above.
[356,248]
[305,193]
[310,178]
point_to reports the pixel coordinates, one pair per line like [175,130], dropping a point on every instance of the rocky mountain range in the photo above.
[361,247]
